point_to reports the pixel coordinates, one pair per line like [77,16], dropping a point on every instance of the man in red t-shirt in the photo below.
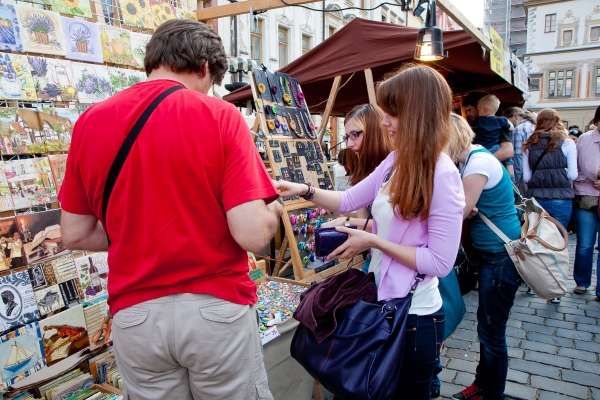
[191,198]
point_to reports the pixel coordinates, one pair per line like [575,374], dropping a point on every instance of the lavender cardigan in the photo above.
[436,239]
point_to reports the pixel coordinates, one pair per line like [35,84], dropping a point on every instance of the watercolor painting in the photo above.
[58,164]
[6,202]
[64,334]
[80,8]
[18,305]
[41,31]
[16,82]
[139,41]
[10,30]
[99,324]
[57,128]
[82,40]
[93,82]
[53,79]
[42,235]
[21,354]
[30,182]
[116,45]
[136,13]
[185,14]
[161,12]
[93,274]
[11,245]
[118,79]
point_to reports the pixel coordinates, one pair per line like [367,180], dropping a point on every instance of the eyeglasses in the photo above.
[352,135]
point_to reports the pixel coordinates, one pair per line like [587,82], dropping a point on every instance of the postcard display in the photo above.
[295,155]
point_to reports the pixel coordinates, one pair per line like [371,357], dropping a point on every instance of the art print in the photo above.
[57,129]
[136,13]
[53,79]
[41,31]
[82,40]
[93,82]
[30,182]
[10,30]
[21,354]
[58,164]
[99,324]
[18,306]
[139,41]
[64,334]
[116,45]
[11,245]
[80,8]
[185,14]
[37,276]
[119,79]
[16,82]
[49,299]
[161,12]
[42,235]
[71,291]
[6,202]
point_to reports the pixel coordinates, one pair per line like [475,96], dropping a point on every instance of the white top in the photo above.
[426,298]
[485,164]
[569,149]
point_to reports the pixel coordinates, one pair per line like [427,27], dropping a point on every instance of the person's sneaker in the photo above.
[530,291]
[434,394]
[555,300]
[471,393]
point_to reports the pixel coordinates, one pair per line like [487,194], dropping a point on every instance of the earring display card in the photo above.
[285,149]
[277,156]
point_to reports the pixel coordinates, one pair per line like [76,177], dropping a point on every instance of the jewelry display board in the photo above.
[295,155]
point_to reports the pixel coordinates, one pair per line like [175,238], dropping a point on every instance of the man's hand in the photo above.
[597,185]
[276,208]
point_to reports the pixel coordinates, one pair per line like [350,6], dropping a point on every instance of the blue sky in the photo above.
[472,9]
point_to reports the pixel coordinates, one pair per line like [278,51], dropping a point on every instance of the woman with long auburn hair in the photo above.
[418,204]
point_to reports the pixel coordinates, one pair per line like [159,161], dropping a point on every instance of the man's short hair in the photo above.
[491,102]
[184,46]
[472,98]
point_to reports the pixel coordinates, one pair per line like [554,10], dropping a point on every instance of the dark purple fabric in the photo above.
[320,303]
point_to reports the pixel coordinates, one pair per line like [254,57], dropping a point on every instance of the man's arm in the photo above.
[254,223]
[82,232]
[506,151]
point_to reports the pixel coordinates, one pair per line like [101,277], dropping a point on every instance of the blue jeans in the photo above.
[497,288]
[586,225]
[424,336]
[560,210]
[435,382]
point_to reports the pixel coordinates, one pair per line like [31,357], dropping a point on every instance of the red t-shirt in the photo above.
[193,161]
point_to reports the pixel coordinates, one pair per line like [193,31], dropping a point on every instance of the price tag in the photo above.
[269,334]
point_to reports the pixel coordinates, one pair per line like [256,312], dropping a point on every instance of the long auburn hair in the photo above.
[376,144]
[421,99]
[547,120]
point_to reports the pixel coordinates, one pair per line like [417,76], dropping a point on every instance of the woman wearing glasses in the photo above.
[418,203]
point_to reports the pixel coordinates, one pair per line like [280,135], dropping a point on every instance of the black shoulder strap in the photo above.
[119,161]
[539,160]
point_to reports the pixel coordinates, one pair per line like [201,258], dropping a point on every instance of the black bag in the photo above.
[465,272]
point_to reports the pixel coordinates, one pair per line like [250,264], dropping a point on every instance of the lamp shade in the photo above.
[430,45]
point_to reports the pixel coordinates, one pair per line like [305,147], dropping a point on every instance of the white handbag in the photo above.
[540,254]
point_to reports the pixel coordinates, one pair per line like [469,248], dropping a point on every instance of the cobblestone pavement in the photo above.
[553,349]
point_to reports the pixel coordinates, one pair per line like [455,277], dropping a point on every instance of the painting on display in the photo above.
[42,236]
[57,128]
[116,45]
[93,82]
[6,202]
[64,334]
[161,12]
[18,302]
[99,324]
[82,40]
[41,31]
[185,14]
[139,41]
[10,30]
[16,82]
[21,354]
[118,79]
[30,182]
[93,274]
[80,8]
[12,254]
[53,79]
[58,165]
[45,288]
[136,13]
[19,128]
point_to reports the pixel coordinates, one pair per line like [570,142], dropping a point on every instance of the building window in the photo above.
[567,37]
[597,80]
[550,23]
[283,46]
[560,83]
[305,44]
[256,41]
[331,31]
[595,33]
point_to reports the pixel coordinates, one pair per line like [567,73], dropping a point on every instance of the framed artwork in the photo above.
[10,30]
[82,40]
[116,45]
[58,165]
[53,79]
[99,324]
[93,82]
[93,275]
[57,125]
[136,13]
[16,82]
[41,31]
[118,79]
[11,244]
[21,354]
[42,236]
[161,12]
[30,182]
[45,288]
[80,8]
[6,202]
[185,14]
[139,41]
[18,302]
[64,334]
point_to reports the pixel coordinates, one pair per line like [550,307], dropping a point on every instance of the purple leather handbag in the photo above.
[328,239]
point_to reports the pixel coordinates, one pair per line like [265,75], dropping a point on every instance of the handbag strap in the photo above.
[494,228]
[539,160]
[119,161]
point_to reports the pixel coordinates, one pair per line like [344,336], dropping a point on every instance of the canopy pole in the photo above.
[370,86]
[329,107]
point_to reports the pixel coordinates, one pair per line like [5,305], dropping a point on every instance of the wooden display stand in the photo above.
[298,235]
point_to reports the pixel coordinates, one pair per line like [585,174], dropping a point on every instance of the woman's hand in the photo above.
[290,189]
[473,213]
[335,222]
[358,241]
[597,185]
